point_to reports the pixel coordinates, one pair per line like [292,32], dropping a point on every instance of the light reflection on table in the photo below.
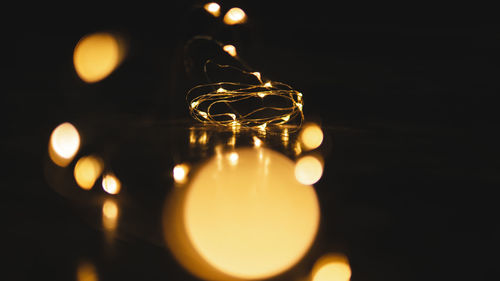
[241,204]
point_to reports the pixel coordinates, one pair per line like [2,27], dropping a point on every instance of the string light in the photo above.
[235,16]
[230,49]
[223,103]
[212,8]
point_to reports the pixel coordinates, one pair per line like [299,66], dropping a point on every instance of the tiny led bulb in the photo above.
[230,49]
[203,114]
[212,8]
[257,142]
[268,84]
[262,127]
[235,16]
[299,105]
[180,172]
[257,74]
[221,90]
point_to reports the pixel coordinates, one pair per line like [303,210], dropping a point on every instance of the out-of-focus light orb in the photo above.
[230,49]
[311,136]
[308,169]
[86,272]
[212,8]
[250,219]
[233,158]
[257,142]
[111,184]
[87,170]
[97,55]
[180,173]
[331,267]
[64,144]
[110,212]
[235,16]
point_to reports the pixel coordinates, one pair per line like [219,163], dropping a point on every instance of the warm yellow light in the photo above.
[262,127]
[203,114]
[257,142]
[192,137]
[180,173]
[285,137]
[235,16]
[232,140]
[268,84]
[257,74]
[235,126]
[331,267]
[221,90]
[296,148]
[213,8]
[86,272]
[87,170]
[64,144]
[97,55]
[299,105]
[110,214]
[111,184]
[261,95]
[311,136]
[203,139]
[308,169]
[230,49]
[233,158]
[248,219]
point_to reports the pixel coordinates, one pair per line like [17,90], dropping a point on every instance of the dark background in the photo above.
[411,106]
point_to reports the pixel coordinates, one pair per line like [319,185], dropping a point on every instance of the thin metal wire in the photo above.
[217,103]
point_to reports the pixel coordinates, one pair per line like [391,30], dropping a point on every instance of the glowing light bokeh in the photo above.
[212,8]
[331,267]
[308,169]
[87,170]
[64,144]
[311,136]
[97,55]
[86,272]
[257,142]
[230,49]
[111,184]
[180,173]
[247,217]
[110,213]
[235,16]
[203,139]
[233,158]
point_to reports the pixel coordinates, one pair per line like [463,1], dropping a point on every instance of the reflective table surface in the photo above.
[200,202]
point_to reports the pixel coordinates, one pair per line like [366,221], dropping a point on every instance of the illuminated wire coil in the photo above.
[274,103]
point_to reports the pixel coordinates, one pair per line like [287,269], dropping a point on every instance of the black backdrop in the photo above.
[419,79]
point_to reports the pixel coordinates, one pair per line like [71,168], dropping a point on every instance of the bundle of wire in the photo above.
[258,105]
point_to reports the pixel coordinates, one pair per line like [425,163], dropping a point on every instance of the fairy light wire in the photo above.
[202,99]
